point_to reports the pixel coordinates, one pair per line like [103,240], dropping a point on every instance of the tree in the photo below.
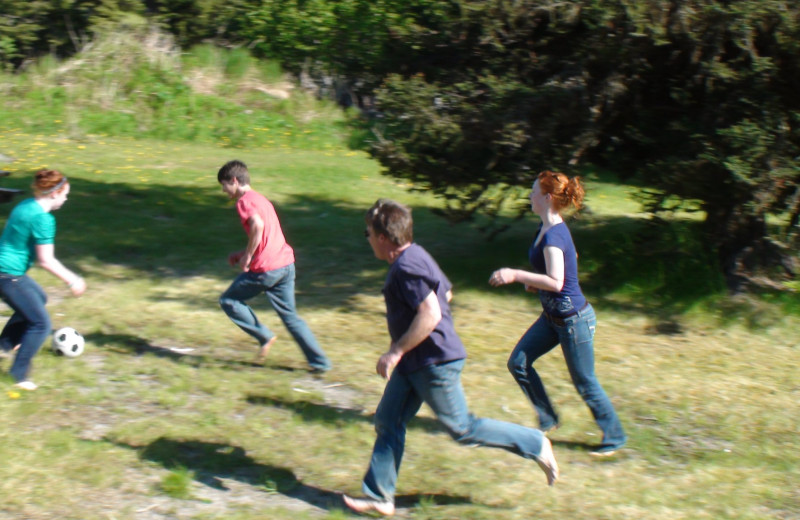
[697,98]
[32,28]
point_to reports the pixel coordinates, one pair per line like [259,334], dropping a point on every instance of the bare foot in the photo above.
[7,353]
[368,505]
[547,461]
[264,350]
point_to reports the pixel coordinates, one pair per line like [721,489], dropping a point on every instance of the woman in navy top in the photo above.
[567,317]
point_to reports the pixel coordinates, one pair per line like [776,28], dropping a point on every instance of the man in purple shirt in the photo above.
[424,364]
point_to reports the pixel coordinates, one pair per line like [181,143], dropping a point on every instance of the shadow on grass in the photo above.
[323,413]
[212,463]
[581,447]
[127,344]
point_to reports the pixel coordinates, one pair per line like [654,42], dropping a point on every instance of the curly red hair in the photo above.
[564,191]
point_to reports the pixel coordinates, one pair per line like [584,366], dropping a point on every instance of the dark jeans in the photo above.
[278,285]
[440,387]
[29,326]
[576,337]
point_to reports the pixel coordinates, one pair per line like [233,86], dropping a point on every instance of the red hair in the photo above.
[564,191]
[48,181]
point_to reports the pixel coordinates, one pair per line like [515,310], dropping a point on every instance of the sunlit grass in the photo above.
[166,416]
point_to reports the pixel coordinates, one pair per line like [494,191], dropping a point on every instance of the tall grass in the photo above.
[135,82]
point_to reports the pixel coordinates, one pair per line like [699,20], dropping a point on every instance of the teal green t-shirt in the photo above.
[28,226]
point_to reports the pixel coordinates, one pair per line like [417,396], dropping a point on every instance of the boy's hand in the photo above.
[233,258]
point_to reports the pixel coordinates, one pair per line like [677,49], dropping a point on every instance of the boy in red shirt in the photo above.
[267,265]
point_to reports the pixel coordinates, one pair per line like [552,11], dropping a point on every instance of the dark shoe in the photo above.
[368,505]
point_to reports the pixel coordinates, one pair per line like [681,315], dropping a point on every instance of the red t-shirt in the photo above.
[272,252]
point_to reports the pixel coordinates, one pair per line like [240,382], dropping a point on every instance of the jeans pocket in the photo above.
[584,330]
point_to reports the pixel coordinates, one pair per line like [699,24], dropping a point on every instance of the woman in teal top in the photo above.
[29,235]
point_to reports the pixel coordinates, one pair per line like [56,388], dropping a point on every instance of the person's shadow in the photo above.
[310,411]
[212,463]
[127,344]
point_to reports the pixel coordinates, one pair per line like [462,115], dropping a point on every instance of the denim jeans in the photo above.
[28,326]
[440,387]
[576,337]
[278,285]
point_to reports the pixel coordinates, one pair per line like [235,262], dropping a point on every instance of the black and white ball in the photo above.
[68,341]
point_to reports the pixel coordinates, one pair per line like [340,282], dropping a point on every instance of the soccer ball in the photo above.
[68,341]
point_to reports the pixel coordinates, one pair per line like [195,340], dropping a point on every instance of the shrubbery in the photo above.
[136,82]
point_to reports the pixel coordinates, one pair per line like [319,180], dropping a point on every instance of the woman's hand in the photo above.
[502,276]
[78,286]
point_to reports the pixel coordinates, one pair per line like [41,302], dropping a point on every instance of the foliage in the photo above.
[695,98]
[134,81]
[30,28]
[195,21]
[349,46]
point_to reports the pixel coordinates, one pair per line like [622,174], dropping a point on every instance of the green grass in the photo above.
[130,83]
[166,416]
[138,428]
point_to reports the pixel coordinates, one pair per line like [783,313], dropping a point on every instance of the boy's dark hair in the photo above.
[234,170]
[391,219]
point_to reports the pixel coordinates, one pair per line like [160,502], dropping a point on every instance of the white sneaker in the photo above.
[547,461]
[367,505]
[27,385]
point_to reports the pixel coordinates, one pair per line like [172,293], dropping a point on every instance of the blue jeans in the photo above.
[576,337]
[440,387]
[28,326]
[278,285]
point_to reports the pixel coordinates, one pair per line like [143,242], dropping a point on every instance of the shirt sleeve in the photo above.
[246,209]
[413,289]
[555,240]
[44,229]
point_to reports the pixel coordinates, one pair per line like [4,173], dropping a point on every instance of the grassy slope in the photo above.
[133,429]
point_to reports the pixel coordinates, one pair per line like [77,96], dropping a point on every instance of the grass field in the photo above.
[166,415]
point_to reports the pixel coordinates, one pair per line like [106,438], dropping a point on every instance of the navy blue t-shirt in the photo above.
[410,280]
[570,299]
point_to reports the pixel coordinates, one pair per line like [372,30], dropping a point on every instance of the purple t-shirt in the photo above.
[410,280]
[570,299]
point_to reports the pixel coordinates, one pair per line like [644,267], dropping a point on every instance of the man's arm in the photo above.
[256,226]
[429,314]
